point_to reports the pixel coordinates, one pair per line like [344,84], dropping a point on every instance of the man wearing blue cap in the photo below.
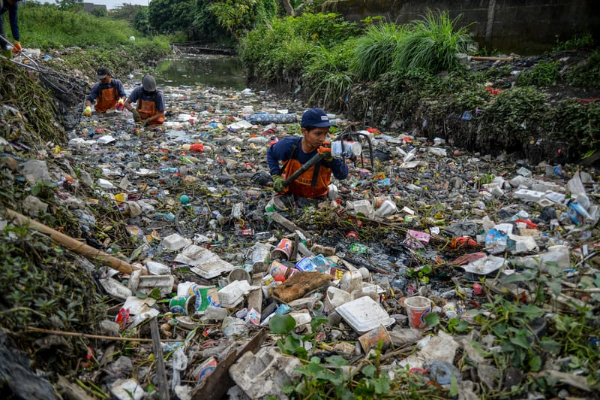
[293,152]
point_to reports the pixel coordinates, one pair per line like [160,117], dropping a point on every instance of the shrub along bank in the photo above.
[409,78]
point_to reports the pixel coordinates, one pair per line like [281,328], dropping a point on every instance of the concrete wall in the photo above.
[522,26]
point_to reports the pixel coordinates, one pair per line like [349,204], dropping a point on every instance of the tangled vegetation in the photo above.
[410,76]
[26,109]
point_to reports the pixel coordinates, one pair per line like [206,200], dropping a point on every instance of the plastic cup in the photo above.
[278,269]
[260,258]
[238,274]
[283,249]
[417,308]
[185,305]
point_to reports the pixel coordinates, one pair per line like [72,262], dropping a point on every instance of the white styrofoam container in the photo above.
[364,314]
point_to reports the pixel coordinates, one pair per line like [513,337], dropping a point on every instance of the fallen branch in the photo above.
[481,58]
[75,245]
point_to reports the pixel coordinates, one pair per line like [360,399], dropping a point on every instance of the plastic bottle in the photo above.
[351,149]
[168,216]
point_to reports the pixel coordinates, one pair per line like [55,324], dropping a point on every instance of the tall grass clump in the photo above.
[432,44]
[328,75]
[375,50]
[282,49]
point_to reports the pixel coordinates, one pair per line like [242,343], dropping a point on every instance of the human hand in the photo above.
[145,122]
[278,185]
[136,115]
[87,112]
[327,156]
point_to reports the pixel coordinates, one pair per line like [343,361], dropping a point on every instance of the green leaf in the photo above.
[155,294]
[432,319]
[369,371]
[522,277]
[535,363]
[337,361]
[500,329]
[530,311]
[282,324]
[317,321]
[426,269]
[462,326]
[521,341]
[550,346]
[555,286]
[381,385]
[453,385]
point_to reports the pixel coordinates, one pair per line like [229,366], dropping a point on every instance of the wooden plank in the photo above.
[289,225]
[219,382]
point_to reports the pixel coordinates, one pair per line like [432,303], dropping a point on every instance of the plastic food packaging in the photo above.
[364,314]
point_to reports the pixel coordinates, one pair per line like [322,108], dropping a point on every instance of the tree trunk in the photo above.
[289,10]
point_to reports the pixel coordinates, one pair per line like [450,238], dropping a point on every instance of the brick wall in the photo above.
[522,26]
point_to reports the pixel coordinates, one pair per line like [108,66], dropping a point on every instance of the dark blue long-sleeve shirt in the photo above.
[282,151]
[98,87]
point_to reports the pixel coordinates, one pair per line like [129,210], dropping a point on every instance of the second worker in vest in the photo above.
[150,103]
[108,93]
[293,152]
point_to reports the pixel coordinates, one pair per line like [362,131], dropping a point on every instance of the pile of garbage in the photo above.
[432,270]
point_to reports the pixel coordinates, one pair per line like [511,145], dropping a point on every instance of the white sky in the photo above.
[109,3]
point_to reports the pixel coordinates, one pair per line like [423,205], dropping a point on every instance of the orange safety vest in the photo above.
[313,183]
[147,109]
[108,99]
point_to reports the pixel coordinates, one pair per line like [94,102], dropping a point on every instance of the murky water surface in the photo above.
[205,70]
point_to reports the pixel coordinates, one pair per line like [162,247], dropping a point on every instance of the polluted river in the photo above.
[427,265]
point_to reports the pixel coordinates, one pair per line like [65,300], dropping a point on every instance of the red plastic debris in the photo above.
[199,147]
[352,234]
[493,91]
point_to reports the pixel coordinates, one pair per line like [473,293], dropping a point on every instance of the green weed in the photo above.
[375,50]
[576,42]
[588,74]
[432,44]
[327,74]
[545,73]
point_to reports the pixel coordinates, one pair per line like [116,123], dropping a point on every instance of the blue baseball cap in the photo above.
[315,117]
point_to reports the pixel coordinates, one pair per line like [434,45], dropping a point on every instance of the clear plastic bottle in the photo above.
[351,149]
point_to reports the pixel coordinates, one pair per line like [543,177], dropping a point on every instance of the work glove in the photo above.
[327,156]
[136,115]
[87,111]
[145,122]
[278,184]
[120,105]
[17,48]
